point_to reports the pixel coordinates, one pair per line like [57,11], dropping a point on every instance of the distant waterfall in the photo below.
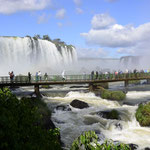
[27,54]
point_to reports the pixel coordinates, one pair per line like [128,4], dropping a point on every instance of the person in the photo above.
[96,74]
[63,75]
[92,75]
[40,75]
[45,77]
[36,77]
[29,77]
[11,74]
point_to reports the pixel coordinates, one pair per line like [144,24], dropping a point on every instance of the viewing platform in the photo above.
[36,81]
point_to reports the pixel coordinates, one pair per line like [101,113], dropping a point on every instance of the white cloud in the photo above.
[102,21]
[79,11]
[77,2]
[60,14]
[59,24]
[90,52]
[43,18]
[117,36]
[128,51]
[12,6]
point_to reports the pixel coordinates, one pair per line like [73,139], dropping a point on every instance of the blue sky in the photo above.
[98,28]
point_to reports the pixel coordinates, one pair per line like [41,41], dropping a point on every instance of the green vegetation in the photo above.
[112,95]
[45,86]
[57,42]
[134,82]
[113,114]
[143,114]
[89,141]
[21,124]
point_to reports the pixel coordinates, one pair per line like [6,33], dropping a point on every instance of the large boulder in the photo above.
[79,104]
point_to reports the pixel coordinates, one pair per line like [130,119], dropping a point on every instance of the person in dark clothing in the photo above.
[92,75]
[96,74]
[11,74]
[29,77]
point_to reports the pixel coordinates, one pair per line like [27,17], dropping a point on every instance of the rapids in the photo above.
[73,123]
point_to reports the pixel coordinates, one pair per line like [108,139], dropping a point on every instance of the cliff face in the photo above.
[28,53]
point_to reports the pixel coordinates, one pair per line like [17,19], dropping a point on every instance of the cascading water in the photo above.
[73,123]
[27,54]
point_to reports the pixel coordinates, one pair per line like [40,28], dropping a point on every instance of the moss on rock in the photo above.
[112,95]
[143,114]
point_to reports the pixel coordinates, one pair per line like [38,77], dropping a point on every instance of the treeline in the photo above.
[58,42]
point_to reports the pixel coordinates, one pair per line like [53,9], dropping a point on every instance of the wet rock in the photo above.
[63,108]
[112,114]
[100,135]
[119,126]
[133,146]
[129,103]
[79,87]
[79,104]
[58,121]
[47,123]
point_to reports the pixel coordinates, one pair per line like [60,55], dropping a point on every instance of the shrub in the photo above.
[89,141]
[20,127]
[113,114]
[112,95]
[143,114]
[117,95]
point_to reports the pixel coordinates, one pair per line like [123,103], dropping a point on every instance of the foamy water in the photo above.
[73,123]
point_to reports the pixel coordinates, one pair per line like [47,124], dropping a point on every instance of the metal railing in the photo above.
[73,78]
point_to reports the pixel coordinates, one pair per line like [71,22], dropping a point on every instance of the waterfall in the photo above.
[27,54]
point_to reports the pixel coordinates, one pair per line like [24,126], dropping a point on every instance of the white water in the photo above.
[26,54]
[73,123]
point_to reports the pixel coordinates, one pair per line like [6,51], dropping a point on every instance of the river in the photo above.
[73,123]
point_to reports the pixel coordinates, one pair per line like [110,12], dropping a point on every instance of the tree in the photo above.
[21,126]
[46,37]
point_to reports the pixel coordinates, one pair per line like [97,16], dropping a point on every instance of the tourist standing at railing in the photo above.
[40,75]
[63,75]
[11,74]
[45,77]
[36,77]
[92,75]
[29,77]
[96,74]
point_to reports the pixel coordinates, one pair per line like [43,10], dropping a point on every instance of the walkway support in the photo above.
[148,81]
[126,83]
[37,91]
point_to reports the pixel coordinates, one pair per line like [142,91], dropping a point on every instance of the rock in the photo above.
[119,126]
[63,108]
[47,123]
[133,146]
[79,104]
[112,114]
[79,87]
